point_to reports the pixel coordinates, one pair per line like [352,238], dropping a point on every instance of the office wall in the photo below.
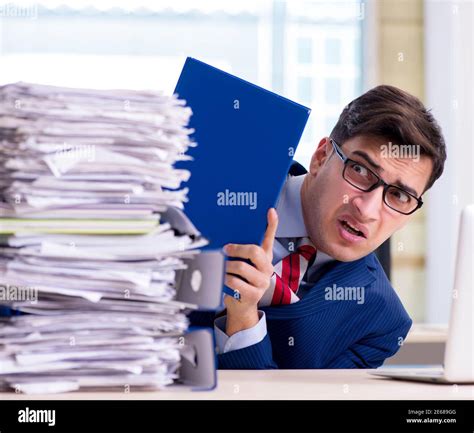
[401,63]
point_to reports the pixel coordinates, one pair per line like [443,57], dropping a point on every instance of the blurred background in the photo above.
[322,54]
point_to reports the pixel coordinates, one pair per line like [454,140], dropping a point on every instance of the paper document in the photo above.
[92,235]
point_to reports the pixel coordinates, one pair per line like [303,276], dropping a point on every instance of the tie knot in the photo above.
[289,273]
[307,251]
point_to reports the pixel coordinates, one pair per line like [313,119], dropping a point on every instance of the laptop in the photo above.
[459,352]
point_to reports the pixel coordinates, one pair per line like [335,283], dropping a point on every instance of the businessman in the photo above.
[314,294]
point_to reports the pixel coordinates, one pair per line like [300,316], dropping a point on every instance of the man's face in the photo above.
[330,203]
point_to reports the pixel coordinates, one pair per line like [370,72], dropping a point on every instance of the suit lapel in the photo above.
[345,274]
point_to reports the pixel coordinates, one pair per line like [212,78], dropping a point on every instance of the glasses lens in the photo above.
[363,178]
[400,200]
[359,175]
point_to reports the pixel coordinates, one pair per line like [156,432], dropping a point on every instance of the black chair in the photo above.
[383,254]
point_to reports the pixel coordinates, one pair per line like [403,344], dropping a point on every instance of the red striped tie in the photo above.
[288,275]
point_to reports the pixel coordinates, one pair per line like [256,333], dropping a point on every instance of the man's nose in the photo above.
[369,204]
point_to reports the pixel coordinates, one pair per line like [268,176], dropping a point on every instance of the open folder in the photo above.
[246,137]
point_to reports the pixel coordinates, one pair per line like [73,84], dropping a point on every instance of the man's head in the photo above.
[390,133]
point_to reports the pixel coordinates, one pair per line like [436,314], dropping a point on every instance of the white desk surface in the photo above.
[286,384]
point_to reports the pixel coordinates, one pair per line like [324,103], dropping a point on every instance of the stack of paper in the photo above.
[91,237]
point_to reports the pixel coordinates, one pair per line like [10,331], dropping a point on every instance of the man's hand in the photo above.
[243,314]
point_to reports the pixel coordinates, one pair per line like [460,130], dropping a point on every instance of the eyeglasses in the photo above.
[364,179]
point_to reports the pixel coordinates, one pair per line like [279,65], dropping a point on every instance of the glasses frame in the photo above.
[380,181]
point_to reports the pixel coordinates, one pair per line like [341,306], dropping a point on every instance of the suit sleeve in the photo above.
[371,351]
[255,357]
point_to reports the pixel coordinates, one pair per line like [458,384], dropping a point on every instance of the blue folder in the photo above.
[246,137]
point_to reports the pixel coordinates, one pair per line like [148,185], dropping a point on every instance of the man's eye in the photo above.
[400,196]
[360,170]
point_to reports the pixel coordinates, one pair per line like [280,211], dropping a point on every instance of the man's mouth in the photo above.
[352,230]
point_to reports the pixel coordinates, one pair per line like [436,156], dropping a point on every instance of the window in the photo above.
[305,90]
[295,48]
[333,51]
[333,91]
[304,50]
[335,63]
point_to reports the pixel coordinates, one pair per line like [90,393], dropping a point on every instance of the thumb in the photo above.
[269,237]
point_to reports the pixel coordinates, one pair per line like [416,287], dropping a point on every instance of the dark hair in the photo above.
[388,112]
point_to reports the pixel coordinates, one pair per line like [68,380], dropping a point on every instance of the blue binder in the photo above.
[246,137]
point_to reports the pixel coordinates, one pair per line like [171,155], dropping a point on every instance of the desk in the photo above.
[287,384]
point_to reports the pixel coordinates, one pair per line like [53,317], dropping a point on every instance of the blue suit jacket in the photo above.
[316,332]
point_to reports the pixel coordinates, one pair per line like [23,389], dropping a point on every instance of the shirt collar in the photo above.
[290,218]
[290,213]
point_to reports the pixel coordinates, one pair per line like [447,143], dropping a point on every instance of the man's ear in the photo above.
[320,155]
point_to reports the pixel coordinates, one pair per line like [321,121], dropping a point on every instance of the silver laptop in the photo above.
[459,352]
